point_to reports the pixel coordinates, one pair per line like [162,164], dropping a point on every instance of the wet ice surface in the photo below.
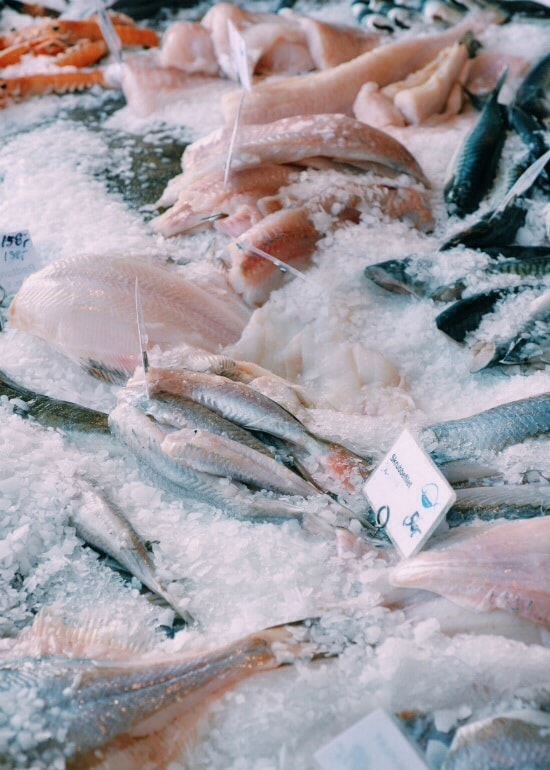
[76,172]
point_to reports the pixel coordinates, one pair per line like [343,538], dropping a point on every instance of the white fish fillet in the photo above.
[85,308]
[334,90]
[491,566]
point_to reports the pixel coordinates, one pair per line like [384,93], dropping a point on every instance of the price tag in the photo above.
[409,494]
[374,743]
[239,56]
[17,260]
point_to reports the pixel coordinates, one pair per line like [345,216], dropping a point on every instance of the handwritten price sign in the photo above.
[17,260]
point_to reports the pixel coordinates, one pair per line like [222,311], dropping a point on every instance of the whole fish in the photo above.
[465,315]
[527,345]
[85,308]
[507,501]
[145,438]
[418,276]
[533,95]
[82,696]
[502,565]
[101,523]
[472,171]
[331,466]
[51,412]
[488,431]
[519,739]
[224,457]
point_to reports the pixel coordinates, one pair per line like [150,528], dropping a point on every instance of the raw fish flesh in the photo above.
[503,565]
[85,308]
[334,90]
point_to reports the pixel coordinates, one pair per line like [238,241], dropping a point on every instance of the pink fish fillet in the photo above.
[85,308]
[291,234]
[299,138]
[502,566]
[334,90]
[210,195]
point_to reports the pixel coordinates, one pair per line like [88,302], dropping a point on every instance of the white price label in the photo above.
[239,56]
[409,494]
[17,260]
[374,743]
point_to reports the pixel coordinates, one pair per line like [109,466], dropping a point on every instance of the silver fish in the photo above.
[224,457]
[82,700]
[331,466]
[100,523]
[508,501]
[519,739]
[489,431]
[145,439]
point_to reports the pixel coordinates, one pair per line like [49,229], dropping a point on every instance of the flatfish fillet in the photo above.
[85,307]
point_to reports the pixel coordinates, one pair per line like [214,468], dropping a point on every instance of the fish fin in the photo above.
[52,633]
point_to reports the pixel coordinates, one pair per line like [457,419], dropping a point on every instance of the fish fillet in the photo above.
[85,308]
[297,139]
[490,566]
[334,90]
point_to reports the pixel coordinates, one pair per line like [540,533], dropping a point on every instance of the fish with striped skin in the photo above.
[85,308]
[517,739]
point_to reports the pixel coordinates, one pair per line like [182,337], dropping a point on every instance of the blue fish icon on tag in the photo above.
[429,495]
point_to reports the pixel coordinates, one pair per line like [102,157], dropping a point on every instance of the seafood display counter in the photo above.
[275,404]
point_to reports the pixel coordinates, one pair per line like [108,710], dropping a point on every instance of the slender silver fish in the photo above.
[508,501]
[520,739]
[99,521]
[489,431]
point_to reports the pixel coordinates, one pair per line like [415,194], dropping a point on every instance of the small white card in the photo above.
[239,56]
[409,494]
[373,743]
[17,260]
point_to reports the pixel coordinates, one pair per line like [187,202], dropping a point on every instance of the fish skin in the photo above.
[473,170]
[400,277]
[102,524]
[501,742]
[503,565]
[488,431]
[224,457]
[465,315]
[297,139]
[235,401]
[487,503]
[85,308]
[51,412]
[331,467]
[87,703]
[533,95]
[144,438]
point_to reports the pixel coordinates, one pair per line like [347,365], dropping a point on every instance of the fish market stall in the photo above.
[245,250]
